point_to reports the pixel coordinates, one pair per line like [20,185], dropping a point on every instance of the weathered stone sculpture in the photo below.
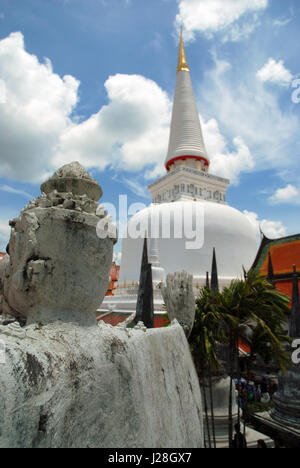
[68,386]
[4,263]
[179,298]
[64,380]
[57,267]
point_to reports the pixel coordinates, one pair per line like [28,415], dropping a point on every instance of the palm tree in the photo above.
[206,333]
[235,317]
[247,304]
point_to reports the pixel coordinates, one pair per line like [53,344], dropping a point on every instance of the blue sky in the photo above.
[93,81]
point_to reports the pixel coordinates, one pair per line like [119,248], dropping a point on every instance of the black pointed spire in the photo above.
[214,282]
[144,305]
[270,271]
[207,280]
[294,331]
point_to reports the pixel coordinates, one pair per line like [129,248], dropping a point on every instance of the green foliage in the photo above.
[250,310]
[207,330]
[167,321]
[259,407]
[256,313]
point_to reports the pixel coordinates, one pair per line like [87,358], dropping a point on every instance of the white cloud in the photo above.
[136,187]
[35,112]
[275,72]
[214,15]
[223,162]
[245,108]
[4,234]
[158,171]
[117,257]
[238,32]
[2,92]
[279,22]
[271,229]
[130,133]
[8,189]
[288,194]
[37,133]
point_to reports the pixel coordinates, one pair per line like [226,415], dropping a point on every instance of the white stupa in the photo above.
[187,200]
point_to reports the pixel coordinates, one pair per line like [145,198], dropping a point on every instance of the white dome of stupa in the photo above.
[220,226]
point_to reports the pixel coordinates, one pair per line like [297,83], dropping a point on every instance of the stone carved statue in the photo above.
[63,383]
[57,267]
[179,298]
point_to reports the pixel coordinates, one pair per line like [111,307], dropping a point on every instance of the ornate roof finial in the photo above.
[182,62]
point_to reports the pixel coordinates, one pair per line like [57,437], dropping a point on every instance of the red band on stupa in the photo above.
[183,158]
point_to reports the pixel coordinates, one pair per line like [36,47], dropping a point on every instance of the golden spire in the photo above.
[182,63]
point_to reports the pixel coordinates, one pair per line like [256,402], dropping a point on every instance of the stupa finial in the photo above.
[182,62]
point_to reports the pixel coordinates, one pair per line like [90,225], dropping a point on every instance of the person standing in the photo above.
[239,440]
[261,444]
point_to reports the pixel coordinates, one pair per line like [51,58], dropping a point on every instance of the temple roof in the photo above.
[285,252]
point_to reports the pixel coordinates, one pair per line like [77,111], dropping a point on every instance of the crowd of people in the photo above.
[254,391]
